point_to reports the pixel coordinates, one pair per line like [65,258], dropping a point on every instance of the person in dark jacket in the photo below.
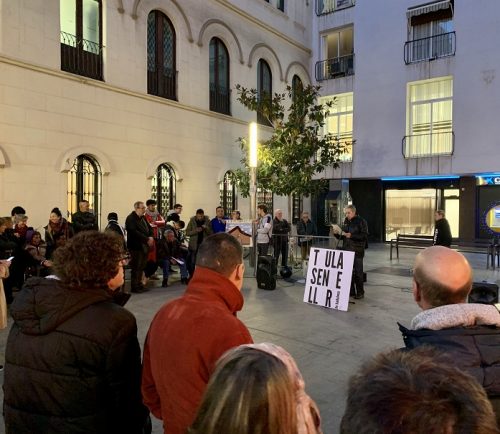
[115,227]
[73,361]
[281,229]
[442,231]
[170,252]
[84,220]
[469,333]
[139,241]
[355,235]
[57,227]
[306,226]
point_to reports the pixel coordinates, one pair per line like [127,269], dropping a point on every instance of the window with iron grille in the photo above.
[227,193]
[81,37]
[220,94]
[265,197]
[264,90]
[297,86]
[296,208]
[162,75]
[85,183]
[163,188]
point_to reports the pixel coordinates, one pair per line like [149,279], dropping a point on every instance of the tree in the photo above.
[292,159]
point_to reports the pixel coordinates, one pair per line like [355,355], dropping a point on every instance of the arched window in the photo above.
[163,188]
[220,96]
[297,85]
[81,37]
[264,90]
[266,197]
[162,76]
[227,193]
[84,183]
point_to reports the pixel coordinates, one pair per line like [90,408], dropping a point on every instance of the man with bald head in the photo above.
[469,333]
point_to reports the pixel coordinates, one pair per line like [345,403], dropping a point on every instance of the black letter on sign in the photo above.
[329,294]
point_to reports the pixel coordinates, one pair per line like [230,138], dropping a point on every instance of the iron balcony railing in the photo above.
[220,99]
[334,68]
[162,83]
[80,56]
[328,6]
[428,145]
[430,48]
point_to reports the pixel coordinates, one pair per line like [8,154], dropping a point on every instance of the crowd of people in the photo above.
[73,360]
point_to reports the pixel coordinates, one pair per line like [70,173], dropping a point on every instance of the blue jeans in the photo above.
[166,268]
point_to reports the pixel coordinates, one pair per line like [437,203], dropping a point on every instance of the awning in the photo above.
[429,7]
[333,195]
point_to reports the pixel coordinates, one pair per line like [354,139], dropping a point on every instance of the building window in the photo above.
[429,118]
[264,91]
[296,208]
[265,197]
[430,32]
[81,37]
[329,6]
[163,188]
[280,4]
[297,86]
[162,75]
[85,183]
[220,94]
[338,52]
[227,193]
[339,122]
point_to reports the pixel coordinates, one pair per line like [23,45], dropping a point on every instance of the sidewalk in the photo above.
[327,345]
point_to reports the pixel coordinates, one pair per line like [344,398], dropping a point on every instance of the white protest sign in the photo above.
[329,276]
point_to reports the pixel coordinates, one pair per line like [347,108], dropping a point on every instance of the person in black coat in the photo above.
[139,241]
[114,227]
[281,229]
[355,237]
[84,220]
[442,231]
[73,361]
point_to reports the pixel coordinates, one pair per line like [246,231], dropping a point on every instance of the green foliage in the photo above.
[297,152]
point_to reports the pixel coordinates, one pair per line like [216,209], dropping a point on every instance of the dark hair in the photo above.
[17,210]
[219,207]
[182,224]
[200,211]
[89,260]
[56,211]
[174,217]
[221,253]
[150,202]
[263,207]
[112,216]
[250,392]
[417,392]
[177,205]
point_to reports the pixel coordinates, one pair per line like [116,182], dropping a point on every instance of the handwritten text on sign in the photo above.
[329,278]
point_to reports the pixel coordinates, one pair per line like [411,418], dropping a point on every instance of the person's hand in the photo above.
[17,235]
[5,263]
[347,234]
[151,241]
[47,263]
[199,229]
[172,261]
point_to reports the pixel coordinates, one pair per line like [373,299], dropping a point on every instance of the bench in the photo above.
[415,241]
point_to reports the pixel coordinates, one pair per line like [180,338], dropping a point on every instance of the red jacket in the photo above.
[186,337]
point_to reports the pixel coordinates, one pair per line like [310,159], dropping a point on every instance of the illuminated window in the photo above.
[429,118]
[84,183]
[265,197]
[163,188]
[264,90]
[227,193]
[339,122]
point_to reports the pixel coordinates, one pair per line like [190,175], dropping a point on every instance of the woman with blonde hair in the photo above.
[256,389]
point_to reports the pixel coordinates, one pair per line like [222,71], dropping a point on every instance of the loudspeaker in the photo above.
[266,272]
[286,272]
[484,293]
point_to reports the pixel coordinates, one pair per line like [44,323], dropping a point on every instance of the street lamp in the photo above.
[252,163]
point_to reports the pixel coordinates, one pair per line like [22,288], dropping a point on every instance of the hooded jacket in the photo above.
[72,363]
[187,336]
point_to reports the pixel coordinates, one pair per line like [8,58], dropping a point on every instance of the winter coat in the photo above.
[84,221]
[308,228]
[188,335]
[166,250]
[442,233]
[72,363]
[468,333]
[264,229]
[138,232]
[192,233]
[358,228]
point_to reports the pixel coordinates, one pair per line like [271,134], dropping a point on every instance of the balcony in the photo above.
[324,7]
[80,56]
[220,99]
[162,83]
[430,48]
[335,68]
[428,145]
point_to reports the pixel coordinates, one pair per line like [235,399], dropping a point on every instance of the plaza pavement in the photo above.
[328,345]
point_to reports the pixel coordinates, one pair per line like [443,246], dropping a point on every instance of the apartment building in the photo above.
[116,101]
